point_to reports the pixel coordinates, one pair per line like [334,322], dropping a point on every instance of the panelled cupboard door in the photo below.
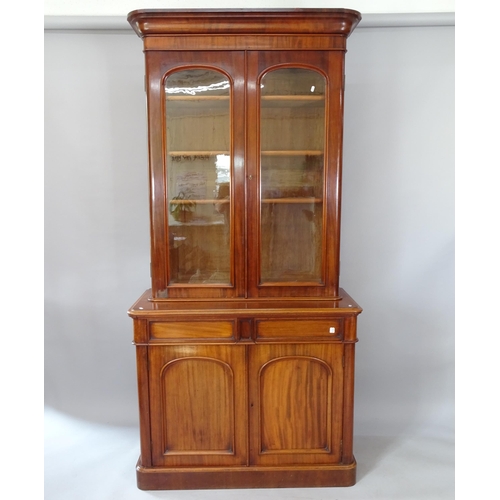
[296,396]
[198,405]
[196,114]
[294,160]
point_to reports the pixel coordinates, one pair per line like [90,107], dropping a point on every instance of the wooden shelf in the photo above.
[197,97]
[197,105]
[197,153]
[293,97]
[284,152]
[289,152]
[195,223]
[193,102]
[292,200]
[263,98]
[198,202]
[292,101]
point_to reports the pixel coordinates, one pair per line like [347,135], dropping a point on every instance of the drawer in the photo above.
[191,330]
[317,329]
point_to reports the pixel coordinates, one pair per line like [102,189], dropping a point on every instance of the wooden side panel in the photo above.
[143,394]
[296,394]
[198,405]
[349,369]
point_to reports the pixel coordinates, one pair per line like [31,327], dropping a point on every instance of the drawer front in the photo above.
[182,331]
[308,330]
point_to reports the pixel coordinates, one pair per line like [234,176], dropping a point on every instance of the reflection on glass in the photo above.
[199,176]
[291,175]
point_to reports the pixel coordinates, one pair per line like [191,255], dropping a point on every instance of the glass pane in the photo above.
[198,176]
[292,175]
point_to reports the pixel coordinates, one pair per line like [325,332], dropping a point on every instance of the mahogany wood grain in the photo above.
[143,392]
[348,410]
[184,331]
[158,478]
[156,22]
[147,306]
[308,329]
[296,397]
[244,42]
[198,405]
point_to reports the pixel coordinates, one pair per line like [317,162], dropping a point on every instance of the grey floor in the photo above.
[87,461]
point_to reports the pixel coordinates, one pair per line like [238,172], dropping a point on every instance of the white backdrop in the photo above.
[397,247]
[397,226]
[122,7]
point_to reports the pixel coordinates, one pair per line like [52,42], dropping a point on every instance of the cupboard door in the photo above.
[198,405]
[296,394]
[197,149]
[296,169]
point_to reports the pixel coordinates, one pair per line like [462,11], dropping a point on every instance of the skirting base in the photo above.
[156,478]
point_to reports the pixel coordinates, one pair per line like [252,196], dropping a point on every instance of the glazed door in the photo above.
[296,397]
[295,119]
[198,405]
[196,113]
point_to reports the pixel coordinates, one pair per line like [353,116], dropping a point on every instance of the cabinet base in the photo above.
[155,478]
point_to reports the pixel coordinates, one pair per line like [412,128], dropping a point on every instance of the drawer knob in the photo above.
[332,329]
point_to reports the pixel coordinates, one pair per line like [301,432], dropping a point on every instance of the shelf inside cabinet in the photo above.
[292,200]
[201,202]
[197,153]
[193,223]
[292,152]
[292,101]
[197,98]
[180,104]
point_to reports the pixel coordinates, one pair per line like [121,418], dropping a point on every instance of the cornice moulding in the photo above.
[119,23]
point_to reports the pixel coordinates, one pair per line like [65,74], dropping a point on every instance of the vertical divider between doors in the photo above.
[247,361]
[251,171]
[246,163]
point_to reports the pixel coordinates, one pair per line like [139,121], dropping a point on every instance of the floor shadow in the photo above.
[369,450]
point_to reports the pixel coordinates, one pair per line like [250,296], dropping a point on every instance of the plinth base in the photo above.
[156,478]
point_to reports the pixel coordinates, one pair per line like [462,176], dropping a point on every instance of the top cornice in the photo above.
[155,22]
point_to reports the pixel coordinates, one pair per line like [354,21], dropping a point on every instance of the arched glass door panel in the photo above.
[199,165]
[292,156]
